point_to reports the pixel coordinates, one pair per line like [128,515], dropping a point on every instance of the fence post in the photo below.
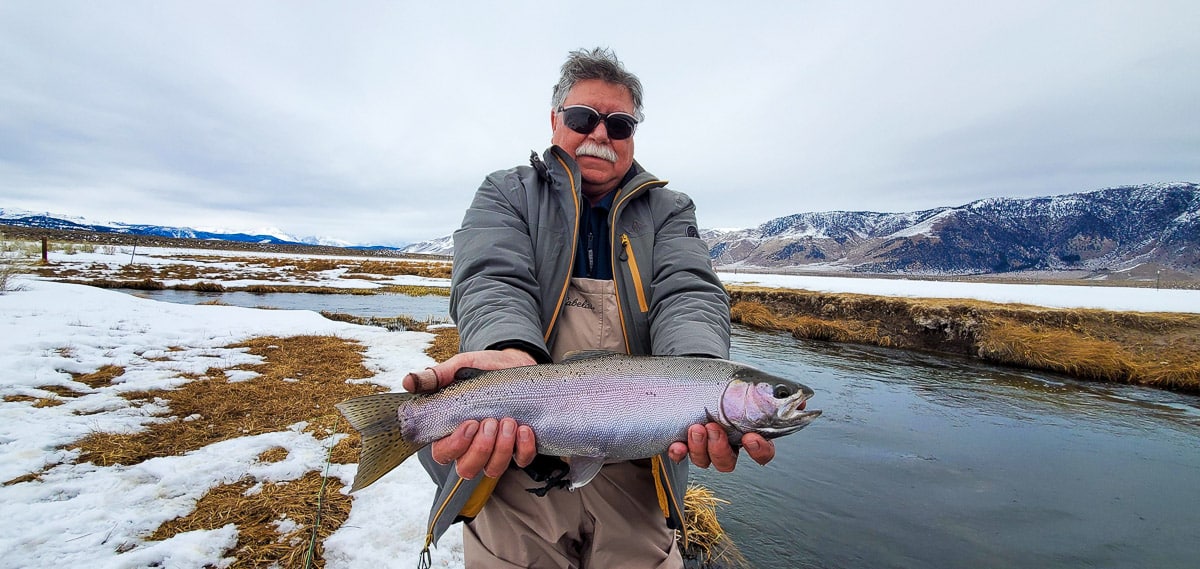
[45,251]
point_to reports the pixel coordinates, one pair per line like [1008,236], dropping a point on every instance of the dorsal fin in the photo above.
[582,355]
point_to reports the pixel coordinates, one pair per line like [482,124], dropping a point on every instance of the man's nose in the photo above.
[600,133]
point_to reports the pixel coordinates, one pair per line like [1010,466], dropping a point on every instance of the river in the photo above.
[927,461]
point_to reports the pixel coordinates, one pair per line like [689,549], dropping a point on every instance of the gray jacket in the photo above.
[513,259]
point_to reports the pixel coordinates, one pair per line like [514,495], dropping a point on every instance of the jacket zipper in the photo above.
[618,205]
[574,245]
[628,256]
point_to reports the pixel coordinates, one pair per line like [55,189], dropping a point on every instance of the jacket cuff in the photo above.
[538,354]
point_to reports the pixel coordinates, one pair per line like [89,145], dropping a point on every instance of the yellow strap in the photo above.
[659,487]
[479,497]
[666,497]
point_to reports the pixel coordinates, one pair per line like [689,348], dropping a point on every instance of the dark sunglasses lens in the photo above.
[581,120]
[619,127]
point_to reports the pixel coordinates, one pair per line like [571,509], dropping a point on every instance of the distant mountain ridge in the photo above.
[46,220]
[1153,226]
[1111,229]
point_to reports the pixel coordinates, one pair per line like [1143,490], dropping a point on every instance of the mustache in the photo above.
[589,148]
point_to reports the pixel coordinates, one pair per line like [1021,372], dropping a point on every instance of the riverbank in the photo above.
[1151,349]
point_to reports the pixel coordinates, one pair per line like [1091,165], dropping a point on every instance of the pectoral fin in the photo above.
[584,469]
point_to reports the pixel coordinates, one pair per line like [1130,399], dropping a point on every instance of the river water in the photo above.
[926,461]
[420,308]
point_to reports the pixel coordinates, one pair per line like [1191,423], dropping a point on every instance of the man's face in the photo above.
[600,175]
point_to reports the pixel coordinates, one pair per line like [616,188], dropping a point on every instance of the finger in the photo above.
[502,453]
[698,445]
[448,449]
[526,446]
[722,455]
[677,451]
[759,448]
[480,451]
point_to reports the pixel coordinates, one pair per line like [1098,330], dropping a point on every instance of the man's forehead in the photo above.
[599,89]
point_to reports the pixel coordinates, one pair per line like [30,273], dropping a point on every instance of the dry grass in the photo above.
[801,326]
[257,510]
[1154,349]
[445,344]
[211,270]
[707,541]
[96,379]
[100,378]
[300,379]
[415,290]
[38,402]
[393,323]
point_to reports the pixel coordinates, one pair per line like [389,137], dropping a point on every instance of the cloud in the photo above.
[375,122]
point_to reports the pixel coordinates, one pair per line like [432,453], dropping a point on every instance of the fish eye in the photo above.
[783,391]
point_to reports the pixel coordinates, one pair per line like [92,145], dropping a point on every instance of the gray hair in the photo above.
[599,63]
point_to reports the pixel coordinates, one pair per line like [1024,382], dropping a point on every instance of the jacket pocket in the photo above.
[631,260]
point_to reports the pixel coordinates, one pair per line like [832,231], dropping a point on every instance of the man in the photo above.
[581,250]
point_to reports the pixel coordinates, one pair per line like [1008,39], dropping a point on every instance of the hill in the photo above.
[1148,228]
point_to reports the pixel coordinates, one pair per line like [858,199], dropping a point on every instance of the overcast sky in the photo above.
[374,122]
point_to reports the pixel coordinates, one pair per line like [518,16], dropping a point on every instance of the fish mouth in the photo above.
[792,417]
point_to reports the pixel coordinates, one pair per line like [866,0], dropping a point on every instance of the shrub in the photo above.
[9,267]
[8,274]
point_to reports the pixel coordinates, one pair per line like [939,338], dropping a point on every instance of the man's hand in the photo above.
[708,444]
[487,445]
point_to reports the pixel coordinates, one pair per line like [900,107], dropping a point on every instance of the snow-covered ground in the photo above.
[1050,295]
[271,268]
[80,515]
[87,515]
[232,268]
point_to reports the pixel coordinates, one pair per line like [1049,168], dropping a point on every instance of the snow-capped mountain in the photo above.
[439,246]
[47,220]
[1115,229]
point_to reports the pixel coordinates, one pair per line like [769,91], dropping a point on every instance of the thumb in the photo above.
[425,381]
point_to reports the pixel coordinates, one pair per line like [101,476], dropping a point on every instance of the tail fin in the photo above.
[377,421]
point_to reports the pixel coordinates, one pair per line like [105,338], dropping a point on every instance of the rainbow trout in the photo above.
[593,407]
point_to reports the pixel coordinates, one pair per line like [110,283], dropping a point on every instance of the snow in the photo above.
[925,228]
[107,262]
[81,514]
[88,515]
[1049,295]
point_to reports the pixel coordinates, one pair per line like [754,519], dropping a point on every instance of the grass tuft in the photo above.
[708,543]
[301,377]
[261,510]
[100,378]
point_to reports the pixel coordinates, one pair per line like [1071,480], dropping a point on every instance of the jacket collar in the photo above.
[555,158]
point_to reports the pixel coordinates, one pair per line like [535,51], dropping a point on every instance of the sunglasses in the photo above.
[584,119]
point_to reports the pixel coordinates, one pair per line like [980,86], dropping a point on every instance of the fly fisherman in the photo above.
[581,250]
